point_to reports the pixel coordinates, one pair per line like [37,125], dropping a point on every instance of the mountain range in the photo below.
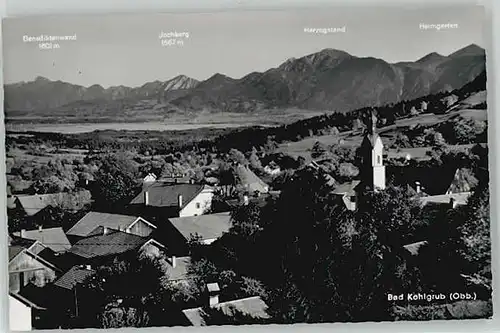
[327,80]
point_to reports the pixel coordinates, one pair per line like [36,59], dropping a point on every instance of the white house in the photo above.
[21,313]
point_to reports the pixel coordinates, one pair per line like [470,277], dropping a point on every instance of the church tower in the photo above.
[372,169]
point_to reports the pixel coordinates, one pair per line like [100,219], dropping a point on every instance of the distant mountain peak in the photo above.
[41,79]
[431,57]
[469,50]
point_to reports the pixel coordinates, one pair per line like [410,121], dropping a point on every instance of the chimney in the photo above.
[174,261]
[213,293]
[179,200]
[245,200]
[104,230]
[22,233]
[417,187]
[453,203]
[146,198]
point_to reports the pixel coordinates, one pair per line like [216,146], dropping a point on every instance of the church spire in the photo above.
[372,122]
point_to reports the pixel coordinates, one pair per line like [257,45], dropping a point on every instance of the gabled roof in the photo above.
[96,219]
[252,306]
[25,301]
[53,238]
[76,275]
[370,139]
[32,204]
[114,242]
[348,188]
[210,226]
[459,199]
[433,180]
[414,248]
[248,179]
[163,194]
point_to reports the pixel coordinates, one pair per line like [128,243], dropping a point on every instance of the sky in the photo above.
[125,49]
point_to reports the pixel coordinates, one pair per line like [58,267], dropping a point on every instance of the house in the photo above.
[272,169]
[207,227]
[26,265]
[22,313]
[150,178]
[135,225]
[104,244]
[252,307]
[438,180]
[53,238]
[32,204]
[247,179]
[163,199]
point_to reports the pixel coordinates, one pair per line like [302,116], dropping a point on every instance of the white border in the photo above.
[12,8]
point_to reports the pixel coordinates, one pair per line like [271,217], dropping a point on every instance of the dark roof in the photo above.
[251,306]
[162,194]
[370,139]
[112,243]
[208,226]
[17,245]
[25,301]
[53,238]
[92,220]
[433,180]
[32,204]
[76,275]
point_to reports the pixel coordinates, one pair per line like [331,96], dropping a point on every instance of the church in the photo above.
[371,168]
[430,185]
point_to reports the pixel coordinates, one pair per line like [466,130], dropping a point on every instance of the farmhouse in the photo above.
[135,225]
[163,199]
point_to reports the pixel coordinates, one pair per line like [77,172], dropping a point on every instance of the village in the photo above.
[172,211]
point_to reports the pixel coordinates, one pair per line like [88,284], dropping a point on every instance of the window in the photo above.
[198,205]
[378,159]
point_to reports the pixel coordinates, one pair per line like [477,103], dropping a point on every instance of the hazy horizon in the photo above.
[113,50]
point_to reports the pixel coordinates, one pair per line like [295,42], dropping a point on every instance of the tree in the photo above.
[237,157]
[254,160]
[114,181]
[318,150]
[52,184]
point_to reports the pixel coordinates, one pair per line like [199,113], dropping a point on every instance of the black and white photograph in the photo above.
[322,165]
